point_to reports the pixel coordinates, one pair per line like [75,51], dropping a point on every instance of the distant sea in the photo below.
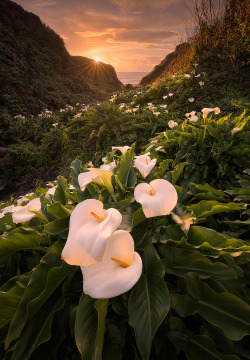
[131,77]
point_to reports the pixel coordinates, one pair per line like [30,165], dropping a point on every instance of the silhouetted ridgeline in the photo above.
[36,70]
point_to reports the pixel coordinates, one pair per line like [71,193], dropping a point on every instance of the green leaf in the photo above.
[76,169]
[89,326]
[38,329]
[60,193]
[138,217]
[58,210]
[197,347]
[127,220]
[176,172]
[179,261]
[224,310]
[206,208]
[114,339]
[45,279]
[27,240]
[57,226]
[10,300]
[125,165]
[132,178]
[149,302]
[199,236]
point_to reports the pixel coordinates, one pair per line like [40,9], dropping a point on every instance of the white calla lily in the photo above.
[24,213]
[110,166]
[87,177]
[118,271]
[234,130]
[122,149]
[105,175]
[172,124]
[90,226]
[206,111]
[157,198]
[144,164]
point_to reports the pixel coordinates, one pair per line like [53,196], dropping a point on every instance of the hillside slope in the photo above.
[170,64]
[219,43]
[36,70]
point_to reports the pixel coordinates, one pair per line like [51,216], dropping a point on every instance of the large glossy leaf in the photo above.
[45,279]
[57,226]
[58,210]
[149,301]
[179,261]
[10,300]
[60,193]
[221,309]
[38,329]
[114,339]
[197,347]
[90,326]
[23,240]
[125,165]
[76,169]
[206,208]
[174,175]
[199,236]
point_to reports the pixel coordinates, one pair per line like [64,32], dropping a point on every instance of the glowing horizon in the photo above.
[132,36]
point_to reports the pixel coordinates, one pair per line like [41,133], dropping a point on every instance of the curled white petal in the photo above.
[157,198]
[87,177]
[122,149]
[87,235]
[144,164]
[24,213]
[108,278]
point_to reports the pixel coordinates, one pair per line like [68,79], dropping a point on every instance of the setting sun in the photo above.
[97,59]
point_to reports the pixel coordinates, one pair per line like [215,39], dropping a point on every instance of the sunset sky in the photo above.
[131,35]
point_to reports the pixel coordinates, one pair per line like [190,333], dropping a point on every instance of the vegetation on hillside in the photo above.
[218,41]
[37,72]
[192,298]
[169,275]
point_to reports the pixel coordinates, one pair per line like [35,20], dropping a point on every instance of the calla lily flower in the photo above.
[105,175]
[157,198]
[191,116]
[51,191]
[118,271]
[87,177]
[206,111]
[172,124]
[144,164]
[201,83]
[110,166]
[24,213]
[234,130]
[90,226]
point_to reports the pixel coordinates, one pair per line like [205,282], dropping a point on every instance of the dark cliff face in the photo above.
[179,59]
[36,70]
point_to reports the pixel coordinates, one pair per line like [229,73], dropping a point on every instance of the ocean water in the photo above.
[131,77]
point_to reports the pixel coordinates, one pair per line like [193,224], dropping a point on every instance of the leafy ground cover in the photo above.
[55,139]
[192,299]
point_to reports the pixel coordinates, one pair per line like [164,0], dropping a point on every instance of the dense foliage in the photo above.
[192,300]
[36,71]
[218,40]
